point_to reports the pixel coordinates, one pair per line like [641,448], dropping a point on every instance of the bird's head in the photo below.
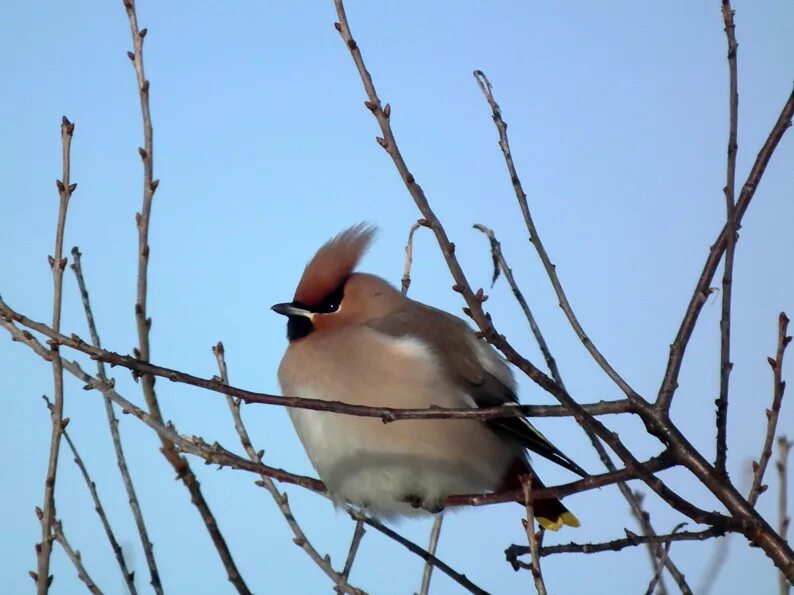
[330,295]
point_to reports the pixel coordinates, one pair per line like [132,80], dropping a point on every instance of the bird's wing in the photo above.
[476,367]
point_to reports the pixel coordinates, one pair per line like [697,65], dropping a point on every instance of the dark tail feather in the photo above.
[550,513]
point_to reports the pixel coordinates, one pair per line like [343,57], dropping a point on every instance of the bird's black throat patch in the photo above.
[298,327]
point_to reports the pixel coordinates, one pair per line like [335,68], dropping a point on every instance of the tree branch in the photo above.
[779,387]
[129,577]
[535,539]
[113,424]
[534,238]
[387,414]
[57,264]
[358,535]
[427,574]
[657,575]
[218,455]
[281,499]
[634,501]
[421,552]
[75,557]
[409,259]
[784,446]
[730,248]
[475,300]
[631,540]
[702,291]
[144,323]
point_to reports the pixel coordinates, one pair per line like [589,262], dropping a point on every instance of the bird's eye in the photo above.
[332,301]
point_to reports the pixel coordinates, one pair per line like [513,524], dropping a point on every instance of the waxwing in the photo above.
[354,338]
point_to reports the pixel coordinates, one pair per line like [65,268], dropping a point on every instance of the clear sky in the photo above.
[618,120]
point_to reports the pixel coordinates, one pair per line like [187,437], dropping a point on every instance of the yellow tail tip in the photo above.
[566,518]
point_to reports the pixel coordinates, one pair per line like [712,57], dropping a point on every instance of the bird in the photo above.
[354,338]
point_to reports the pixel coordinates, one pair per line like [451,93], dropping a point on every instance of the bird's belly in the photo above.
[406,467]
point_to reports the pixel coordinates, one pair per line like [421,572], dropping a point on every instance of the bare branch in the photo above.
[421,552]
[57,264]
[358,535]
[475,300]
[662,561]
[535,539]
[281,500]
[113,424]
[784,446]
[409,258]
[730,248]
[144,323]
[435,533]
[779,387]
[75,557]
[702,291]
[534,238]
[500,264]
[631,540]
[129,577]
[655,550]
[387,414]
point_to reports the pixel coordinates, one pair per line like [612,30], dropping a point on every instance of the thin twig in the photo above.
[784,446]
[500,265]
[702,288]
[409,258]
[730,248]
[615,545]
[657,575]
[655,418]
[75,557]
[421,552]
[633,469]
[387,414]
[635,505]
[358,535]
[435,531]
[435,534]
[534,238]
[535,539]
[144,323]
[300,539]
[129,577]
[772,414]
[57,264]
[216,454]
[474,301]
[712,569]
[113,424]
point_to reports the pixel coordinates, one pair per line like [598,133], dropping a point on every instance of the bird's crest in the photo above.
[333,263]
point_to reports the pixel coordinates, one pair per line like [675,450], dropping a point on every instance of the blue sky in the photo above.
[618,122]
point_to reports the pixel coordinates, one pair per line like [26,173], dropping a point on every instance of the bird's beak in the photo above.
[287,309]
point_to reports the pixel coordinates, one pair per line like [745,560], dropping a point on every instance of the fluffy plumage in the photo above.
[355,338]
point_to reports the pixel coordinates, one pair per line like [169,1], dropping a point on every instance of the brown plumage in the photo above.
[355,338]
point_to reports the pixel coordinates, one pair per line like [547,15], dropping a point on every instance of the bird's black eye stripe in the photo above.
[331,302]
